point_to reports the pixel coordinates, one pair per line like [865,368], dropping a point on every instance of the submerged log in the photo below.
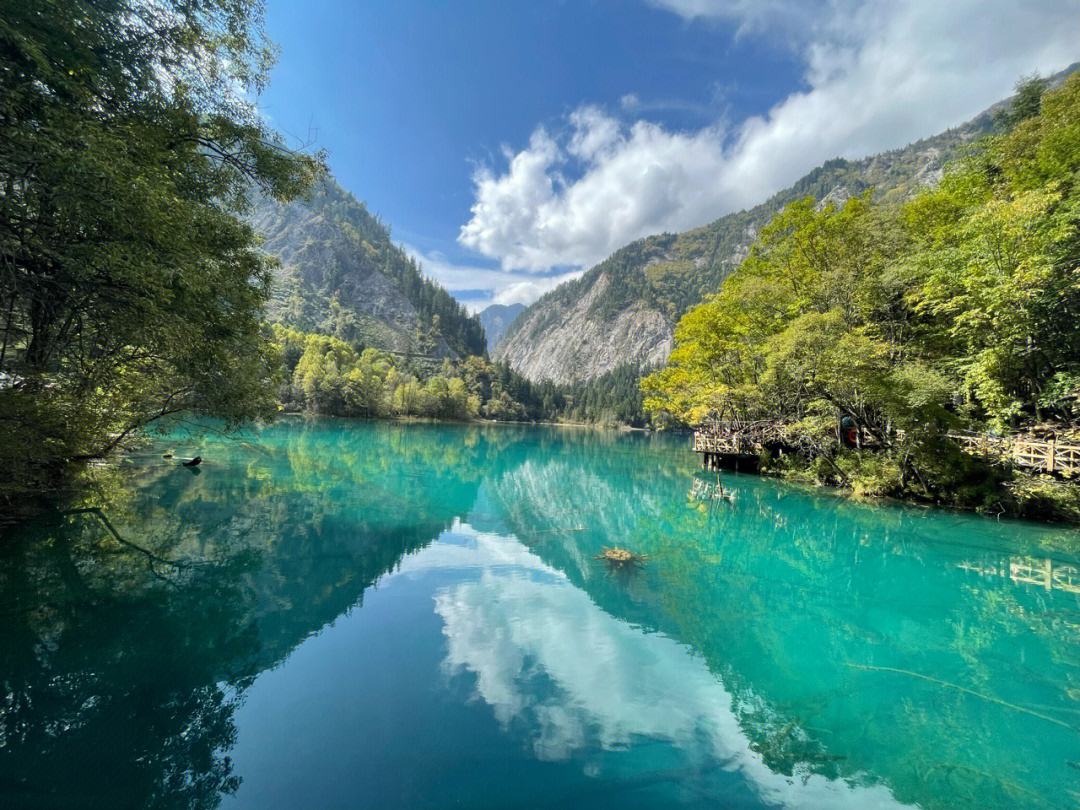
[193,462]
[621,558]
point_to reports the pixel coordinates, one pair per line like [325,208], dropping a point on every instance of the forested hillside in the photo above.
[955,310]
[623,311]
[326,375]
[341,274]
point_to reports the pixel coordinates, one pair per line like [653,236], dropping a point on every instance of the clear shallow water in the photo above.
[347,614]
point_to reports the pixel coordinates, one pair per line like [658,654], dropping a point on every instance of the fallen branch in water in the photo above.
[972,692]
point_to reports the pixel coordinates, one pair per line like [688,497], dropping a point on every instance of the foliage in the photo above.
[130,288]
[1027,102]
[613,398]
[324,374]
[957,308]
[995,255]
[1043,497]
[327,375]
[671,273]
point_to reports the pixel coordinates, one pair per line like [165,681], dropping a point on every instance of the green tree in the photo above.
[959,307]
[130,288]
[997,248]
[1027,102]
[367,390]
[321,376]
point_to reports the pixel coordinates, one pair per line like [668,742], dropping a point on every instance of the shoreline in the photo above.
[434,420]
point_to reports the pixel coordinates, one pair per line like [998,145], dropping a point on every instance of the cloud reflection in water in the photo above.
[548,660]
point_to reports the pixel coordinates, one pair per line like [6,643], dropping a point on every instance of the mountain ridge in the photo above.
[624,309]
[339,273]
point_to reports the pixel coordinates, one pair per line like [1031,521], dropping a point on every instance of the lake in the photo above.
[349,614]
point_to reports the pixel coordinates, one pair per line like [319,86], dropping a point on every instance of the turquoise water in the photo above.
[336,614]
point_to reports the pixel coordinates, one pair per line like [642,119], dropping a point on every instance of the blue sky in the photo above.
[509,144]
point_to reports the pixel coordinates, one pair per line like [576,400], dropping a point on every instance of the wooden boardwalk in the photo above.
[1041,455]
[725,447]
[719,446]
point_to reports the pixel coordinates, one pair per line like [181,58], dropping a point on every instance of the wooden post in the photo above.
[1051,450]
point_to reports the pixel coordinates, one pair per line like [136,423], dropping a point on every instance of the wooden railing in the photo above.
[724,443]
[1042,455]
[737,438]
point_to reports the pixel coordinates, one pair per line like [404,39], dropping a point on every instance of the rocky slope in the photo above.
[341,274]
[496,319]
[624,309]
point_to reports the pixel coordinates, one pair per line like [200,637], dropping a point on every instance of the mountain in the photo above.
[341,274]
[624,310]
[496,319]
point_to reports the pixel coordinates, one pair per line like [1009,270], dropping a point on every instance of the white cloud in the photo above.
[785,21]
[879,75]
[528,290]
[594,133]
[494,285]
[639,179]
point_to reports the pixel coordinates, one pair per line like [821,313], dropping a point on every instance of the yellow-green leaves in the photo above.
[962,304]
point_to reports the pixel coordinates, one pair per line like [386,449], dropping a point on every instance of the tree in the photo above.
[367,392]
[130,288]
[958,307]
[1027,102]
[996,252]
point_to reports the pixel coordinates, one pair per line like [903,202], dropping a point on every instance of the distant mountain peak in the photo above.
[496,319]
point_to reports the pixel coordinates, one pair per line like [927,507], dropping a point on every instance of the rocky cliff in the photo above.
[624,310]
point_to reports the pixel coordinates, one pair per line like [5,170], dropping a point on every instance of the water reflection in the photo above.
[521,633]
[1041,572]
[781,647]
[112,675]
[131,630]
[853,638]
